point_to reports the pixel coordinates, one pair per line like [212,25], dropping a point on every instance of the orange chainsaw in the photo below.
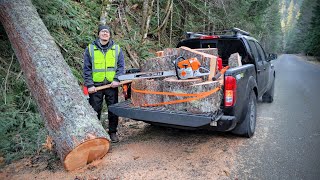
[184,69]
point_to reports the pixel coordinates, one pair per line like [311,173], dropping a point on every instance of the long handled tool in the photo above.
[86,92]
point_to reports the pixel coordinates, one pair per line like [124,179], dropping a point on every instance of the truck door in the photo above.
[261,70]
[266,65]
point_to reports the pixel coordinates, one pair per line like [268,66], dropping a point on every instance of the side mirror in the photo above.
[272,57]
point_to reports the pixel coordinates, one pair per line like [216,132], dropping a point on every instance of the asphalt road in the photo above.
[287,140]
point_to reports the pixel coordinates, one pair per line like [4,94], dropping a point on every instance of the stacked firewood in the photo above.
[195,95]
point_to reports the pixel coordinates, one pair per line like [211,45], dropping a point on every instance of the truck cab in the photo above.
[238,41]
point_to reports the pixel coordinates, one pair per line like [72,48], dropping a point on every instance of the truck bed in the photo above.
[160,115]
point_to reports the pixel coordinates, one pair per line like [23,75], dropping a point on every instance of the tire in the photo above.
[248,126]
[268,96]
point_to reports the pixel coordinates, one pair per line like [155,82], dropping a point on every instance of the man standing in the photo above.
[103,63]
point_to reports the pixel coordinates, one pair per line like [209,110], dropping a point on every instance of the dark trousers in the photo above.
[111,97]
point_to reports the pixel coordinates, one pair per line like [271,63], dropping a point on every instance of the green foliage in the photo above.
[304,38]
[73,25]
[314,41]
[21,128]
[259,17]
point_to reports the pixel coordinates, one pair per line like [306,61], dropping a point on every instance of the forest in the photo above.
[141,27]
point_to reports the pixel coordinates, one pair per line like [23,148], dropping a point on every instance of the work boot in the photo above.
[114,138]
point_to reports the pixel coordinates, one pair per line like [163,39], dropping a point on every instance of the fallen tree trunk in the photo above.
[71,122]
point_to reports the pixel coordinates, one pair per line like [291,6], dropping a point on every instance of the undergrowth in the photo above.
[22,130]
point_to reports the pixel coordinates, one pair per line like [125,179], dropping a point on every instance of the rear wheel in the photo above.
[268,96]
[248,126]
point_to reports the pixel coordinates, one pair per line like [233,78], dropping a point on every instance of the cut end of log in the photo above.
[86,152]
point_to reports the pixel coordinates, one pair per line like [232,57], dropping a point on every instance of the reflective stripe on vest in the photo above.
[104,66]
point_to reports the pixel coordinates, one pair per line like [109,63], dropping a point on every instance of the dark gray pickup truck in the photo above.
[243,86]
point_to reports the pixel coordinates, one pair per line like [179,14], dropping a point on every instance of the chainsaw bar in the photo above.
[145,75]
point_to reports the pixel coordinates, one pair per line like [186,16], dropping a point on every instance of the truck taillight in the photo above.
[230,88]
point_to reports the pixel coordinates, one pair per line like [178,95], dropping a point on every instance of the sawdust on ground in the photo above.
[145,152]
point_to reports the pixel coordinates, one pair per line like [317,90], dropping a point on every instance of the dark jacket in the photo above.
[87,65]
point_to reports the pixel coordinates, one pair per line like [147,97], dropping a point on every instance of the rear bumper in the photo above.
[160,115]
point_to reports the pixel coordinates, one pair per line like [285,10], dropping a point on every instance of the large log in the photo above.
[140,99]
[207,104]
[163,63]
[234,60]
[211,51]
[71,122]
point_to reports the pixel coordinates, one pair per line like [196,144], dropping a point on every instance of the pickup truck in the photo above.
[243,86]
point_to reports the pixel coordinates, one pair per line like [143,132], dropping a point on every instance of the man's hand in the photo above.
[115,84]
[92,89]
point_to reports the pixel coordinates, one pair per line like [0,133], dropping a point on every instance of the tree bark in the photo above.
[147,11]
[140,99]
[166,18]
[71,122]
[234,60]
[207,104]
[106,7]
[144,15]
[158,64]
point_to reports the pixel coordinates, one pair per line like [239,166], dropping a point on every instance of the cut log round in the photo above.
[69,119]
[163,63]
[91,150]
[207,104]
[140,99]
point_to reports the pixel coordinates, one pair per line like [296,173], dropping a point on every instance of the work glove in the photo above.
[115,84]
[92,89]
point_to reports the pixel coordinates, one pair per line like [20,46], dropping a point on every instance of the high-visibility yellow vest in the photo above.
[104,66]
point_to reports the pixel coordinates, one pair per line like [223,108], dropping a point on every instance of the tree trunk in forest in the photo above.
[184,17]
[144,15]
[106,7]
[147,11]
[71,122]
[171,24]
[163,25]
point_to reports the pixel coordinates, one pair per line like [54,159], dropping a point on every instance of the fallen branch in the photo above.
[135,64]
[60,45]
[5,81]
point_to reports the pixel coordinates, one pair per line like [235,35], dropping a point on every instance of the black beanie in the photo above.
[101,27]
